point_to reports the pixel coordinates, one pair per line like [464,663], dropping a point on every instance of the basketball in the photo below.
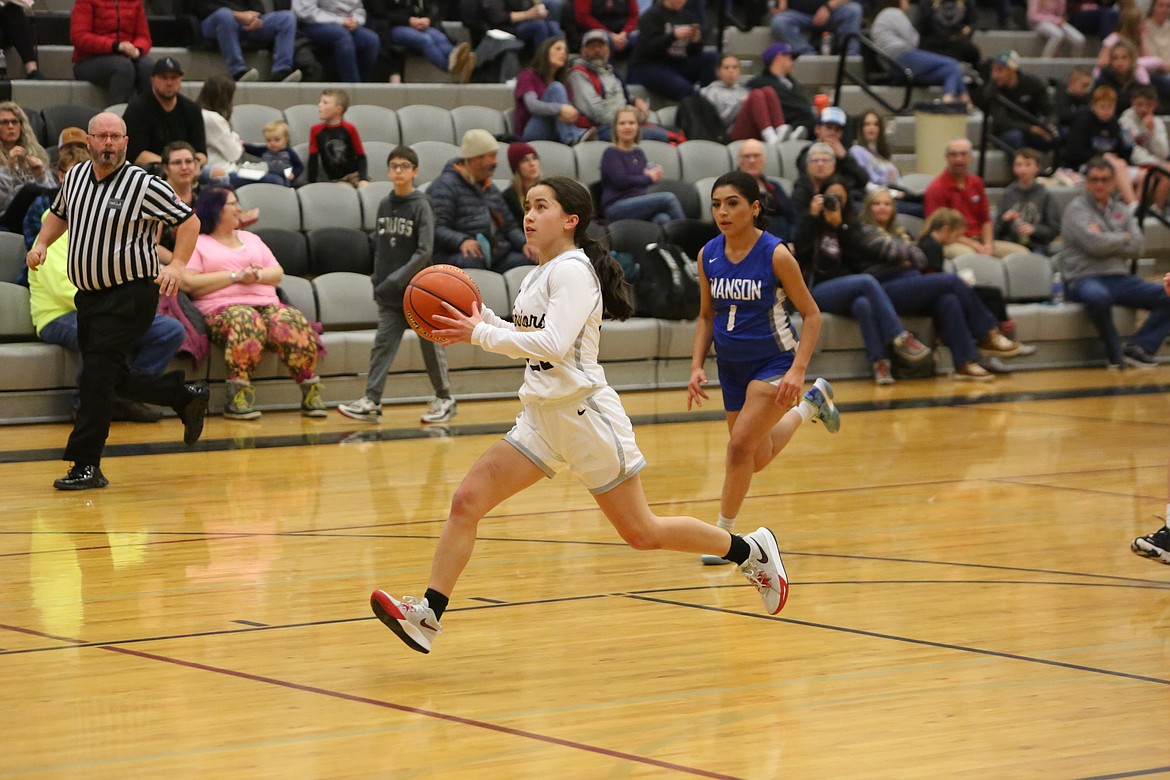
[429,290]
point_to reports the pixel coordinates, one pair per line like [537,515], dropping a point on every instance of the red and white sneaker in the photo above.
[411,619]
[765,571]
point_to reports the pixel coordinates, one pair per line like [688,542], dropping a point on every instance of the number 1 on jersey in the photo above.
[731,317]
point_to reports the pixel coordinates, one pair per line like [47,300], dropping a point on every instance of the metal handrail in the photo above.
[1153,172]
[990,137]
[843,73]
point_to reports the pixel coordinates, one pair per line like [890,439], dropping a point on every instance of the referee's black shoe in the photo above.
[193,411]
[81,478]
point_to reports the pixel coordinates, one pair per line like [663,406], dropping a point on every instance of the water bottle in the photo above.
[826,43]
[1057,288]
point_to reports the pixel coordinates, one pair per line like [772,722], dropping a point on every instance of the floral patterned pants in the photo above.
[246,331]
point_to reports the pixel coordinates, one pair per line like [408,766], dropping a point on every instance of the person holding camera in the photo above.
[827,244]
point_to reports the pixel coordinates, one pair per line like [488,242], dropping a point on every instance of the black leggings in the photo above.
[16,31]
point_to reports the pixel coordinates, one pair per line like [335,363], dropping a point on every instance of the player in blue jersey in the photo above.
[745,275]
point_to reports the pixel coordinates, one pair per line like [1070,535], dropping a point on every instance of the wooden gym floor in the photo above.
[964,601]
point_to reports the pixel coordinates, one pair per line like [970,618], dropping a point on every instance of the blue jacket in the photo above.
[462,210]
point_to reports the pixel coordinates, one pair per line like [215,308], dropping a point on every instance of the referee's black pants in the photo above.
[110,323]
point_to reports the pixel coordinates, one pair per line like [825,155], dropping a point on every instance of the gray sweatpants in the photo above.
[391,325]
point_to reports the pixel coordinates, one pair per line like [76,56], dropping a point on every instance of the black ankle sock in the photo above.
[740,550]
[438,602]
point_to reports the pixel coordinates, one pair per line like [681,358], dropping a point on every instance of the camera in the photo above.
[832,202]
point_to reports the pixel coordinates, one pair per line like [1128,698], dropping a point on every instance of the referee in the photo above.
[113,211]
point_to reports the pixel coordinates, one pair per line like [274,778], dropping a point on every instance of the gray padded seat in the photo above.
[464,118]
[248,120]
[301,119]
[915,182]
[116,108]
[789,152]
[771,159]
[556,159]
[30,364]
[12,254]
[433,156]
[289,248]
[665,116]
[377,153]
[513,277]
[703,189]
[495,296]
[302,150]
[326,204]
[426,123]
[989,271]
[371,197]
[374,123]
[345,301]
[700,159]
[279,205]
[665,155]
[588,156]
[910,223]
[60,116]
[300,295]
[333,249]
[1029,277]
[634,339]
[684,191]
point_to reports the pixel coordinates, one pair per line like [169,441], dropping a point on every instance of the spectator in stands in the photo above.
[626,177]
[17,32]
[1028,214]
[1100,236]
[73,147]
[1157,31]
[830,127]
[162,115]
[235,22]
[1049,18]
[1151,146]
[617,18]
[110,42]
[54,313]
[23,161]
[1097,132]
[543,111]
[277,152]
[964,322]
[532,21]
[946,27]
[871,151]
[597,90]
[225,149]
[774,201]
[829,245]
[232,278]
[525,164]
[405,232]
[746,113]
[335,147]
[795,103]
[1035,129]
[669,57]
[474,228]
[1074,97]
[894,34]
[1097,18]
[957,188]
[1122,72]
[339,27]
[417,25]
[793,19]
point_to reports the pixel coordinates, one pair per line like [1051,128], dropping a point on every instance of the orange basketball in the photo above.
[429,289]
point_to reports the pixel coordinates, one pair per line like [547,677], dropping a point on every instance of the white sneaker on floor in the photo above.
[765,571]
[440,410]
[362,409]
[411,619]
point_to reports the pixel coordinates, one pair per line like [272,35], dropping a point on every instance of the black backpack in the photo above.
[698,118]
[668,284]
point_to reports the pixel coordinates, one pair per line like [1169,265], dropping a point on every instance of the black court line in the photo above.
[251,623]
[1157,770]
[326,438]
[443,716]
[907,640]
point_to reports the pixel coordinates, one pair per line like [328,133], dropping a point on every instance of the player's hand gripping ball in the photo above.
[429,289]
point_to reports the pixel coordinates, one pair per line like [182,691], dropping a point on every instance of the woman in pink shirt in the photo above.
[232,277]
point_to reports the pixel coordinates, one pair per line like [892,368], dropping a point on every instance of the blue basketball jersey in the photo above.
[750,320]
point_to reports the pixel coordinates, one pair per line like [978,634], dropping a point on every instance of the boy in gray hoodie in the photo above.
[1028,214]
[406,238]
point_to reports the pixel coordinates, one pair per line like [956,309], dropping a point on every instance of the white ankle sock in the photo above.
[726,523]
[805,409]
[769,134]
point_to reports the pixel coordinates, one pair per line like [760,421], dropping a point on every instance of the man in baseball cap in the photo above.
[829,130]
[1026,91]
[794,99]
[71,136]
[162,116]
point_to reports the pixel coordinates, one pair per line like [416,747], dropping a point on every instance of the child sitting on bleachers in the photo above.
[277,151]
[335,148]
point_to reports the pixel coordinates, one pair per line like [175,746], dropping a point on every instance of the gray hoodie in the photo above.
[405,233]
[1105,253]
[1036,207]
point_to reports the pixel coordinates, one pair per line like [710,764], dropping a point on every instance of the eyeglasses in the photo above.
[112,138]
[820,160]
[400,166]
[9,122]
[1099,179]
[231,203]
[184,161]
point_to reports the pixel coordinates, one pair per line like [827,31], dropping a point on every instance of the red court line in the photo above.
[425,713]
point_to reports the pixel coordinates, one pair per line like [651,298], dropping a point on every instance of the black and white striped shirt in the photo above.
[114,224]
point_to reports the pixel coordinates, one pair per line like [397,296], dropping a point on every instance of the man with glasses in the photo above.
[957,188]
[829,129]
[774,200]
[115,210]
[1100,236]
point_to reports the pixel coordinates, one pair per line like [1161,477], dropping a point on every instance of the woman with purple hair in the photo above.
[232,278]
